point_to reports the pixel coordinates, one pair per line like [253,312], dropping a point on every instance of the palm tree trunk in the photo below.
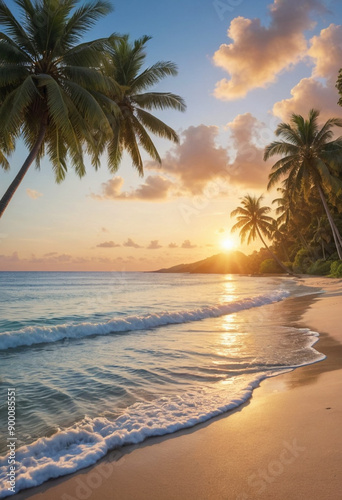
[323,250]
[286,253]
[335,231]
[273,254]
[26,165]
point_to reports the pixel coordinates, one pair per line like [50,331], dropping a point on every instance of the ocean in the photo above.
[101,360]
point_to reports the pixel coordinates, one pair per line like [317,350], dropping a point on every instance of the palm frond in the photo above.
[159,100]
[157,126]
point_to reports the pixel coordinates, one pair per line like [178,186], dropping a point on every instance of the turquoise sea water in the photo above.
[99,360]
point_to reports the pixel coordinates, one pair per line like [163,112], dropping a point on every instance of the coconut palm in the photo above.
[49,83]
[134,99]
[321,234]
[311,159]
[277,233]
[293,213]
[253,221]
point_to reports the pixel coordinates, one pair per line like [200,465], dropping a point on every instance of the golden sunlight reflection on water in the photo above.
[228,291]
[227,340]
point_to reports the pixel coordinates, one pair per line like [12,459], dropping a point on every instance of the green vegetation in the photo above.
[134,101]
[254,222]
[66,98]
[306,235]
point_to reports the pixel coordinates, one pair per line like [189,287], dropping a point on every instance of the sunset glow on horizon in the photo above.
[179,212]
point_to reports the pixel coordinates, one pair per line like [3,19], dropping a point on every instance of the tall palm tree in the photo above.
[311,159]
[253,221]
[277,233]
[49,84]
[293,213]
[321,234]
[134,99]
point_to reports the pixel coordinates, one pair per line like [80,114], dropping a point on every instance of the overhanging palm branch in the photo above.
[48,84]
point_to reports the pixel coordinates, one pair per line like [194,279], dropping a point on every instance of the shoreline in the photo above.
[255,451]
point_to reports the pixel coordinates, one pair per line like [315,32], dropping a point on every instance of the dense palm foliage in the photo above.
[66,98]
[253,222]
[49,83]
[306,232]
[134,99]
[311,161]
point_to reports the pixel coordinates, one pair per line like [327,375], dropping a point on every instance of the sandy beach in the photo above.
[285,443]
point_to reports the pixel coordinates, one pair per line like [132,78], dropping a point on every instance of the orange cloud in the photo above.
[188,244]
[257,53]
[155,188]
[196,161]
[326,51]
[33,194]
[154,245]
[199,166]
[311,92]
[108,244]
[248,169]
[131,243]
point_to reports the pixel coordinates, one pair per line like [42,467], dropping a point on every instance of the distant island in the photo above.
[222,263]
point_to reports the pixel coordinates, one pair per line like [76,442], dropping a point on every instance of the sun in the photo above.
[228,244]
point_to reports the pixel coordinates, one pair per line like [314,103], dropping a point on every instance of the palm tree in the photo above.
[132,95]
[293,213]
[321,234]
[311,159]
[253,221]
[49,84]
[277,233]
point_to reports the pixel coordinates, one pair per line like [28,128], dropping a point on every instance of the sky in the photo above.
[244,66]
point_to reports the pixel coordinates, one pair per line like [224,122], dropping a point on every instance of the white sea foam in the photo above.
[41,334]
[85,443]
[88,441]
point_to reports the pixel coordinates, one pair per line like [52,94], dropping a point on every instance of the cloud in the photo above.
[110,189]
[199,166]
[195,161]
[108,244]
[154,245]
[33,194]
[248,168]
[307,94]
[131,243]
[258,53]
[188,244]
[155,188]
[14,257]
[173,245]
[326,53]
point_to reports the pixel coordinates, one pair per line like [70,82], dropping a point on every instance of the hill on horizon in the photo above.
[223,263]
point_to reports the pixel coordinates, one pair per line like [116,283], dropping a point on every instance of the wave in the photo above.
[88,441]
[32,335]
